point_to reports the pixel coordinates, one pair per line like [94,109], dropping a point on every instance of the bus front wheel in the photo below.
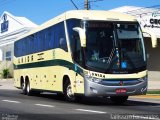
[119,99]
[68,91]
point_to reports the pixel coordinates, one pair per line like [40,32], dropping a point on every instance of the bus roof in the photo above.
[84,15]
[99,15]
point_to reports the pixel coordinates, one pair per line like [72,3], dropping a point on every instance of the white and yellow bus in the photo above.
[90,53]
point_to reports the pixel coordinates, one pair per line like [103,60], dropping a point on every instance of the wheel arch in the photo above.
[22,80]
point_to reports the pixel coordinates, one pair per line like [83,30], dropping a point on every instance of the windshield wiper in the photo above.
[111,56]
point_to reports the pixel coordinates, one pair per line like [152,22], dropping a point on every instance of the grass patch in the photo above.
[154,92]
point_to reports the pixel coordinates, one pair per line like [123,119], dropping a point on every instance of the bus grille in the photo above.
[120,82]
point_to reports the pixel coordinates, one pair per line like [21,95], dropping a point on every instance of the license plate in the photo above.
[121,91]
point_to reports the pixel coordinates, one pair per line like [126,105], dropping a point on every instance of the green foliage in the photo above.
[154,92]
[5,73]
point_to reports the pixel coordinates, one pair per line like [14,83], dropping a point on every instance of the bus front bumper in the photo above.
[95,89]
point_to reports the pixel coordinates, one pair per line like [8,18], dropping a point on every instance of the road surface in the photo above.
[48,106]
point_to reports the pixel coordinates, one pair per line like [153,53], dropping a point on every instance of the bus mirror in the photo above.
[153,37]
[82,35]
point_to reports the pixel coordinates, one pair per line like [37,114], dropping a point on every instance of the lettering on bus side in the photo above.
[18,60]
[98,75]
[40,56]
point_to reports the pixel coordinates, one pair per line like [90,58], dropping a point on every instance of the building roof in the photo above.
[21,20]
[16,26]
[26,22]
[137,11]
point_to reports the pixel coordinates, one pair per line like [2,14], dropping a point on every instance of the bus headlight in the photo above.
[92,79]
[143,78]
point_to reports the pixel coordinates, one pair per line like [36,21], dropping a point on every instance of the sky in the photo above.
[40,11]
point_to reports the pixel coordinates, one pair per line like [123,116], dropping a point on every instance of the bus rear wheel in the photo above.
[68,91]
[119,99]
[28,89]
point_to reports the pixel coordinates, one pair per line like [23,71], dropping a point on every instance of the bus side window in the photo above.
[63,43]
[61,37]
[50,38]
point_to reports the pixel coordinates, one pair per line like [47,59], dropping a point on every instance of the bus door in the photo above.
[78,61]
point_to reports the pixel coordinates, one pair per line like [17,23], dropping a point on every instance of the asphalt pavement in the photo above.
[48,106]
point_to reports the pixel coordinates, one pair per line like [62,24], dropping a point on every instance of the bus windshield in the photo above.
[114,47]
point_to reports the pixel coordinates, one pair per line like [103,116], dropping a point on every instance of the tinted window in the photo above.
[50,38]
[72,34]
[61,37]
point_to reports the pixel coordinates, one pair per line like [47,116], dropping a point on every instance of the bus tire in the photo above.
[23,87]
[28,89]
[68,91]
[119,99]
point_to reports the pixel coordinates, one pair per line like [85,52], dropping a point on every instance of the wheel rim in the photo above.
[69,92]
[28,88]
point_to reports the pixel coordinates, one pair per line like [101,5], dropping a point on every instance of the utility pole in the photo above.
[86,5]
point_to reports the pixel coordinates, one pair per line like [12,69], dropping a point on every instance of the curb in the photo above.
[6,79]
[152,96]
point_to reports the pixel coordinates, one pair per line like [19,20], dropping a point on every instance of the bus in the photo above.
[83,53]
